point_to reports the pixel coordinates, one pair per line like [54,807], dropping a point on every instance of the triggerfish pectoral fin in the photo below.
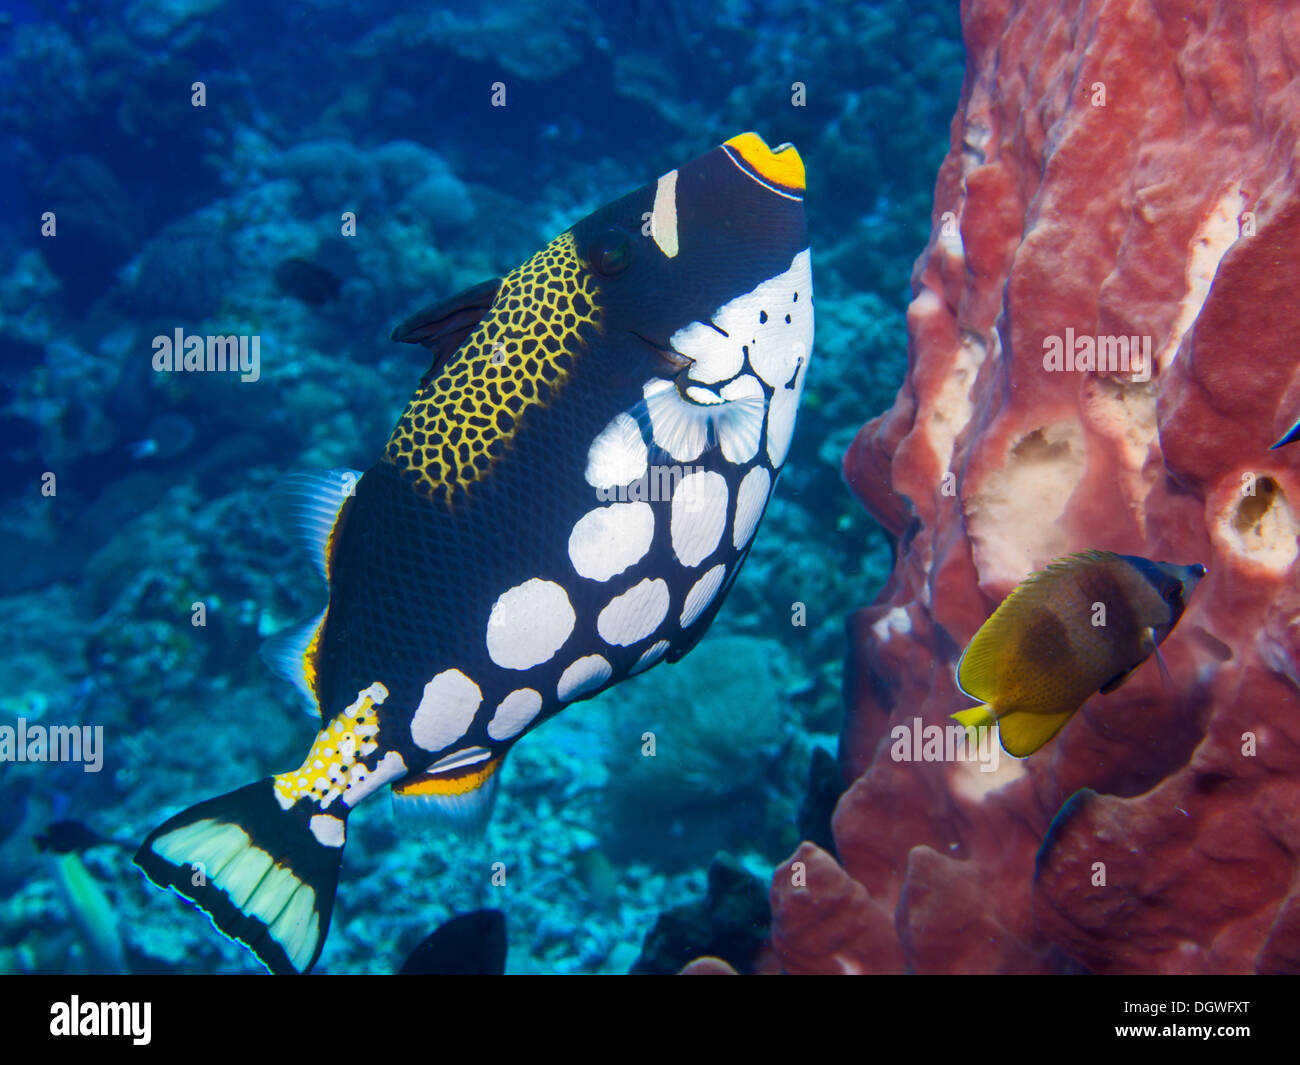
[264,875]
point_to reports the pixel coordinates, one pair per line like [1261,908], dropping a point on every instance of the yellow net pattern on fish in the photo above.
[463,419]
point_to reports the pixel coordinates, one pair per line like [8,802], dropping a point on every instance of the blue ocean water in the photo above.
[191,165]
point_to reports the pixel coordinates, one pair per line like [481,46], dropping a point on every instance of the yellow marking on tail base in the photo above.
[334,758]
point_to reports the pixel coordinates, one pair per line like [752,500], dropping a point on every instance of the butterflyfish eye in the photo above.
[611,254]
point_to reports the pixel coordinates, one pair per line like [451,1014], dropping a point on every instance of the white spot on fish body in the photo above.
[699,515]
[584,675]
[649,657]
[515,713]
[663,217]
[446,710]
[702,594]
[606,541]
[327,829]
[751,497]
[529,623]
[635,614]
[618,456]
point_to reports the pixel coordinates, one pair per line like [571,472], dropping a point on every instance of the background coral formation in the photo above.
[1126,169]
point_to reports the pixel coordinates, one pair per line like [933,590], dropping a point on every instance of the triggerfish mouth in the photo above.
[1078,627]
[564,503]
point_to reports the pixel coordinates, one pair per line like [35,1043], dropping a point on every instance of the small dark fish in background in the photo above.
[306,281]
[68,837]
[470,944]
[167,436]
[1047,648]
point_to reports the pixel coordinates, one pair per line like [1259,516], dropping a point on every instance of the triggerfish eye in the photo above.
[611,254]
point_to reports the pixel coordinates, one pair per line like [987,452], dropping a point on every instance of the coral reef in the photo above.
[1126,172]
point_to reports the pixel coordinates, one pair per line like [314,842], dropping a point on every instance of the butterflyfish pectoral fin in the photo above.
[1149,641]
[1024,733]
[976,716]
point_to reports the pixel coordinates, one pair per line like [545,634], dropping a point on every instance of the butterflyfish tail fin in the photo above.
[976,716]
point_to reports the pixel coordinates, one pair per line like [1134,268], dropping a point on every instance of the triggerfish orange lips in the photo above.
[779,168]
[1078,627]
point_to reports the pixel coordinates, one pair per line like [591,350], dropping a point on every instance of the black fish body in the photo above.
[564,503]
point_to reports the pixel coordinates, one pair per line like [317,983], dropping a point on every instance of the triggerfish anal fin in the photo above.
[442,327]
[458,792]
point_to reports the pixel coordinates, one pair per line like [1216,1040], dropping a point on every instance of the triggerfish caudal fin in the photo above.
[264,875]
[1080,626]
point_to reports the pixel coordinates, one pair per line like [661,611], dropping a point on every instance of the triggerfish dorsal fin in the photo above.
[291,654]
[457,792]
[310,508]
[443,327]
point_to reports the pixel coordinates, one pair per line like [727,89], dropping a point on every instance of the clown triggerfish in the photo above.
[564,503]
[1080,626]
